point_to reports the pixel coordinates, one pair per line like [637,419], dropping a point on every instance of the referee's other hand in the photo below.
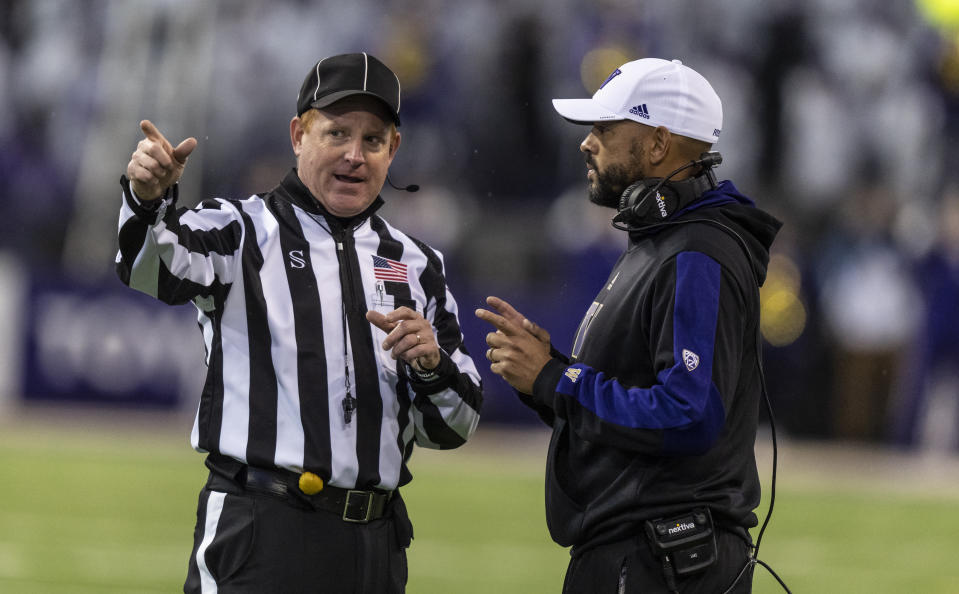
[409,336]
[156,164]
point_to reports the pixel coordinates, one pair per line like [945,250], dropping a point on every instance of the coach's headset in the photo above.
[654,199]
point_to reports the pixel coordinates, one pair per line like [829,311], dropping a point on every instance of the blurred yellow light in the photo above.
[943,13]
[599,63]
[949,65]
[783,271]
[783,318]
[408,56]
[783,315]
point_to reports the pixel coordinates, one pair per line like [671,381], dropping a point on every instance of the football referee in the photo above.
[332,345]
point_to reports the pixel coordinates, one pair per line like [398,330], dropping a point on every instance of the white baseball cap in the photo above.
[654,92]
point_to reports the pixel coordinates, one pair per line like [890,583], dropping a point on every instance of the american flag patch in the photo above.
[389,270]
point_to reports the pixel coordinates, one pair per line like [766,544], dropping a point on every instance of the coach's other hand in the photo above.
[156,165]
[519,349]
[409,336]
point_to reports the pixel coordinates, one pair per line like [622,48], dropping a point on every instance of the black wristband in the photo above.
[150,205]
[148,209]
[435,380]
[427,375]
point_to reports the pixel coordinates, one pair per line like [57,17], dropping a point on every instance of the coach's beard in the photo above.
[611,184]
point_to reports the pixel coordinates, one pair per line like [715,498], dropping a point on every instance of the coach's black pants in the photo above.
[630,567]
[255,543]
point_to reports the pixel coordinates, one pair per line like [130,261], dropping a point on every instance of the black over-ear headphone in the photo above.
[653,199]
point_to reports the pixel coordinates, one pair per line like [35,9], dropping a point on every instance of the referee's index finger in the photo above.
[151,132]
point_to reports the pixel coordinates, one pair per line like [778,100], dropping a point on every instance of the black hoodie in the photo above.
[656,410]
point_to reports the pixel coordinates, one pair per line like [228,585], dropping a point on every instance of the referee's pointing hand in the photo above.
[156,164]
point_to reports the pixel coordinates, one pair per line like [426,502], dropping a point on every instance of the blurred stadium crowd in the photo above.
[839,117]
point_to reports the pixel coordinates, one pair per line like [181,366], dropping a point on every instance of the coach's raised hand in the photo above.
[156,164]
[519,349]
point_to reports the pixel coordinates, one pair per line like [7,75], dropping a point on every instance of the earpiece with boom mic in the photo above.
[409,188]
[654,199]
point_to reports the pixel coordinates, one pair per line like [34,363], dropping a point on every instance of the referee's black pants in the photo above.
[630,567]
[248,542]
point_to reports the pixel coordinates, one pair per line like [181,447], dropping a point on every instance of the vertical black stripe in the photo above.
[392,248]
[369,413]
[210,414]
[449,335]
[308,329]
[389,247]
[261,443]
[448,331]
[403,417]
[131,238]
[193,582]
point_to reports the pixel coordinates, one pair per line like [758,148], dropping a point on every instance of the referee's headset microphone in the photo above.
[410,188]
[645,205]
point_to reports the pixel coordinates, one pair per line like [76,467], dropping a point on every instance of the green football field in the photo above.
[105,503]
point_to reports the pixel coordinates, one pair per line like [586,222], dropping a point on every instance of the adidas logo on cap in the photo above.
[640,110]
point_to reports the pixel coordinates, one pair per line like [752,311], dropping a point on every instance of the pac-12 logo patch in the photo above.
[690,359]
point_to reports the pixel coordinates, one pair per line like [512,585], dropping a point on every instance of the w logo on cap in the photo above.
[615,73]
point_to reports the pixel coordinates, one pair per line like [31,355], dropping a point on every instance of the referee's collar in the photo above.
[294,189]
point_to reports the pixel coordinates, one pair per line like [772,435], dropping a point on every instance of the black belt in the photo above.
[353,505]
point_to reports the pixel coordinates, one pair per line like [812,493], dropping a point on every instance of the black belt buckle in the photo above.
[358,507]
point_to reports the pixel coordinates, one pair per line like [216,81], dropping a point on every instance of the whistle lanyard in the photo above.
[349,401]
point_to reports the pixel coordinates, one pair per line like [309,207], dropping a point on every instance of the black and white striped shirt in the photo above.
[281,292]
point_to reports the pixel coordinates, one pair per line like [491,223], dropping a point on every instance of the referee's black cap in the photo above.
[336,77]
